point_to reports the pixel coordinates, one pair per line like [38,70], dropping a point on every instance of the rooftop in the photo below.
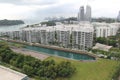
[9,74]
[102,47]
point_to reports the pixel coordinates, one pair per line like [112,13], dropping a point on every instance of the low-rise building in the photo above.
[102,47]
[9,74]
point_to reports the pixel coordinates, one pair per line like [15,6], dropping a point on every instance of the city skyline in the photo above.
[39,9]
[84,14]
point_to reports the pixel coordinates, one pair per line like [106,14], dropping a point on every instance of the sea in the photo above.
[18,27]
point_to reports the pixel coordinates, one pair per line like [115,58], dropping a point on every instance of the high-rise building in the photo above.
[84,15]
[88,14]
[81,16]
[118,17]
[78,18]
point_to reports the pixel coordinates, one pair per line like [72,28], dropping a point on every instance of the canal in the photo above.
[64,54]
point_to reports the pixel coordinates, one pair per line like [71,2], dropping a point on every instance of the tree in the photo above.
[48,23]
[28,70]
[13,61]
[65,69]
[10,22]
[106,41]
[55,35]
[31,66]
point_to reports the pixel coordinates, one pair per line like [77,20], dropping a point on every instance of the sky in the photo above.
[39,9]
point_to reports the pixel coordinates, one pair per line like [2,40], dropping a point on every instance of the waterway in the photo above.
[53,52]
[11,28]
[17,27]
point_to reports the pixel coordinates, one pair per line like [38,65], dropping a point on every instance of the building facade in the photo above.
[118,17]
[81,14]
[82,37]
[88,14]
[63,37]
[105,29]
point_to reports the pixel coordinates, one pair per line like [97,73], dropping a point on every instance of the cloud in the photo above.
[29,2]
[39,9]
[58,10]
[105,8]
[11,11]
[9,1]
[40,2]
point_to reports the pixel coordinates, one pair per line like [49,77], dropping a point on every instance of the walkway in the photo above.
[31,53]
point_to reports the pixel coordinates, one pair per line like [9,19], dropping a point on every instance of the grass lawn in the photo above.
[102,69]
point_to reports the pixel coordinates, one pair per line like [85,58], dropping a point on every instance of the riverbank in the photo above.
[35,54]
[52,47]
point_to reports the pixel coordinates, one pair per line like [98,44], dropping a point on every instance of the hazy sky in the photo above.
[38,9]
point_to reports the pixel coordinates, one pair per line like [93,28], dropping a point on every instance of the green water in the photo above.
[61,53]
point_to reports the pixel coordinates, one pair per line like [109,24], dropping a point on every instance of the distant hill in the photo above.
[6,22]
[100,19]
[103,19]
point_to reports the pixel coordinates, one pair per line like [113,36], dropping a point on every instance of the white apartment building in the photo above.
[16,35]
[38,35]
[63,36]
[8,34]
[79,36]
[47,35]
[33,35]
[102,30]
[26,35]
[113,29]
[11,34]
[50,35]
[43,36]
[105,29]
[82,36]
